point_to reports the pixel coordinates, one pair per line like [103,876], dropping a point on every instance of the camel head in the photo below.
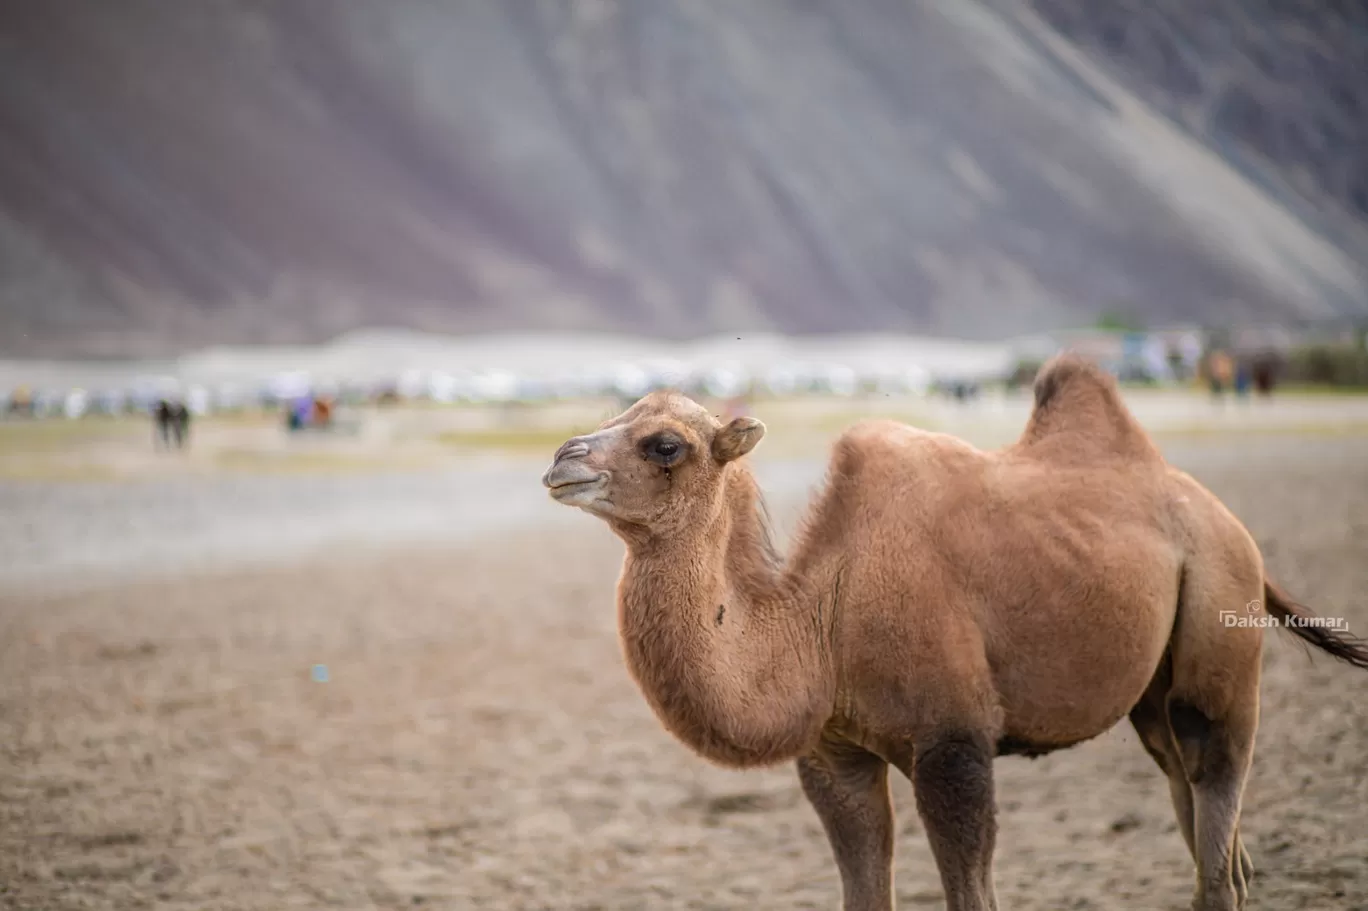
[654,465]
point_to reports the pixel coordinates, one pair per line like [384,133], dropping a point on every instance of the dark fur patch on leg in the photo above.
[1153,729]
[952,777]
[1197,739]
[953,780]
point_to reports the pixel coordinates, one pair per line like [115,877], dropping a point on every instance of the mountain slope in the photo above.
[176,175]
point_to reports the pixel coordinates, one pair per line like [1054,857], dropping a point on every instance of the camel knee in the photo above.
[850,795]
[1192,733]
[1154,730]
[1208,749]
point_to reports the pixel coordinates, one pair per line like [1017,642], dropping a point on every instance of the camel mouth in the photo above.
[563,488]
[571,479]
[577,491]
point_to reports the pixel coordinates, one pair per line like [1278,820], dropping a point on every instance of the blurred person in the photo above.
[964,391]
[21,402]
[179,419]
[1220,372]
[297,413]
[1177,365]
[1263,375]
[1190,349]
[1242,378]
[161,421]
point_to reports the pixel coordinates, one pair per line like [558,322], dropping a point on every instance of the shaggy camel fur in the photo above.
[943,605]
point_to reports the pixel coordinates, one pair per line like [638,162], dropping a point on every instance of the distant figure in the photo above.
[1242,379]
[1176,365]
[21,402]
[1220,372]
[298,412]
[1263,375]
[964,390]
[180,424]
[161,419]
[172,421]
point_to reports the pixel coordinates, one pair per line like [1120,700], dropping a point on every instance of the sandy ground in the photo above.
[478,744]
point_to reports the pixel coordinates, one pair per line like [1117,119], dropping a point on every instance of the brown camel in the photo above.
[942,606]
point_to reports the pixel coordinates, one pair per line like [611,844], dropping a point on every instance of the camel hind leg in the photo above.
[1212,710]
[1216,756]
[1150,720]
[1151,723]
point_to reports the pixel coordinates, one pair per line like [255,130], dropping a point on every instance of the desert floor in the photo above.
[165,740]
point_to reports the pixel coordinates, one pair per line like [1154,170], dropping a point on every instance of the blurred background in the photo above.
[297,298]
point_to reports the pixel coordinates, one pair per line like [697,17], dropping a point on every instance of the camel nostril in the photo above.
[572,449]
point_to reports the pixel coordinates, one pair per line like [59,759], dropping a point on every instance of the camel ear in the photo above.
[736,439]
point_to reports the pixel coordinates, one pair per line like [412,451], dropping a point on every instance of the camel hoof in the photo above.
[1227,896]
[1243,873]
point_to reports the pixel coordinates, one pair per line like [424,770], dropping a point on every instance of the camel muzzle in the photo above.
[570,474]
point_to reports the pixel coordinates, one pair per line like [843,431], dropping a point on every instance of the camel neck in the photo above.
[727,646]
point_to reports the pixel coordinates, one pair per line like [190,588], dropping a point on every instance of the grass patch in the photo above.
[528,439]
[1314,390]
[47,435]
[243,417]
[305,463]
[39,472]
[546,440]
[839,421]
[1216,430]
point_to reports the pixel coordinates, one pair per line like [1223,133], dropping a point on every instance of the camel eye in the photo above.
[662,449]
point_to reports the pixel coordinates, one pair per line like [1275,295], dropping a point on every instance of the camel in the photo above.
[942,605]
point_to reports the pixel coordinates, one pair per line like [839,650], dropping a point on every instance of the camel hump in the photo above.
[1067,372]
[1079,414]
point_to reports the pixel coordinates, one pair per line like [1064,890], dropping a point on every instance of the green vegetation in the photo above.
[1116,321]
[519,439]
[1313,390]
[834,422]
[1333,365]
[257,462]
[50,434]
[1216,430]
[47,470]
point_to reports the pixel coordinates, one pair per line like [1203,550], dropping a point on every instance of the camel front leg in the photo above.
[952,778]
[848,787]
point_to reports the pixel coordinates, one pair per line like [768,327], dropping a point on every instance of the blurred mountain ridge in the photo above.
[175,176]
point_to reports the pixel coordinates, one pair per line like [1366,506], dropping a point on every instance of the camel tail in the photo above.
[1318,631]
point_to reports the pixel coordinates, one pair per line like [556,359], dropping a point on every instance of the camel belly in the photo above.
[1058,687]
[1076,631]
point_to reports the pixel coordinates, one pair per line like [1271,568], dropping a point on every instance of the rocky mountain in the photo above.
[174,175]
[1280,88]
